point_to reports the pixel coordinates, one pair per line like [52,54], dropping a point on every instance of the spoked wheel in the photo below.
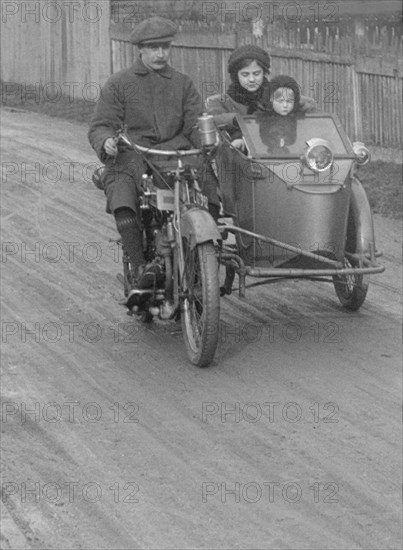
[201,303]
[352,289]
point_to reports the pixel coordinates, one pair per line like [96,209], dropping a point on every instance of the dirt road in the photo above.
[112,440]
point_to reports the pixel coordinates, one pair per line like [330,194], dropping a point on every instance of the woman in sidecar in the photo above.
[297,207]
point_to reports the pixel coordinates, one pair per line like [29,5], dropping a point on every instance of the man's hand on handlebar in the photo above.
[111,147]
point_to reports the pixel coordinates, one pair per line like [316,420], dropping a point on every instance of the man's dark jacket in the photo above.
[160,109]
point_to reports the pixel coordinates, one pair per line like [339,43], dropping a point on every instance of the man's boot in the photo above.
[132,241]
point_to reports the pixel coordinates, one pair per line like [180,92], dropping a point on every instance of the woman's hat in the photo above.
[249,51]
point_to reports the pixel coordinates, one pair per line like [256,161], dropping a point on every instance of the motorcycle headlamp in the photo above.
[362,154]
[318,156]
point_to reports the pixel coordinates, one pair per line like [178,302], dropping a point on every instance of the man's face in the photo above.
[155,55]
[283,100]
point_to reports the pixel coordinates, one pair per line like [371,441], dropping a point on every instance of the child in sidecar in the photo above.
[278,121]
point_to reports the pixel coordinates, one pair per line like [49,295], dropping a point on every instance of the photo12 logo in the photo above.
[269,411]
[268,12]
[69,331]
[54,252]
[50,173]
[50,92]
[69,411]
[51,12]
[290,332]
[270,491]
[32,491]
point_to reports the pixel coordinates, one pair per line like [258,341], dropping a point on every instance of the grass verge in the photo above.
[383,184]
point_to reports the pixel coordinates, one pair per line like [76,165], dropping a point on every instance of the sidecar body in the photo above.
[297,207]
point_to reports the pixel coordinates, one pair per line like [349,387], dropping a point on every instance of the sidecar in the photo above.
[295,205]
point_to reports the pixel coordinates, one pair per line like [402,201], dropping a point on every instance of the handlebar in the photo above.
[174,152]
[122,136]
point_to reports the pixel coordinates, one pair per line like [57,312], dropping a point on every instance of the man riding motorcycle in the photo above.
[159,106]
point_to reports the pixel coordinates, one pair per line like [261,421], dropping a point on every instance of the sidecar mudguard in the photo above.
[198,226]
[360,230]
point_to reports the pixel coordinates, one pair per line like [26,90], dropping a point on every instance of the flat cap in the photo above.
[154,29]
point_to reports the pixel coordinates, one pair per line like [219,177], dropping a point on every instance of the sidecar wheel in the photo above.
[200,309]
[351,290]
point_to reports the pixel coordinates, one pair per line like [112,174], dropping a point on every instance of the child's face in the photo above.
[283,100]
[251,77]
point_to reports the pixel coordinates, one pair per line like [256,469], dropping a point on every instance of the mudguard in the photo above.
[198,226]
[360,232]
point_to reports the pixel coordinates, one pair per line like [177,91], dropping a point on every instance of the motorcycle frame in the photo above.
[189,220]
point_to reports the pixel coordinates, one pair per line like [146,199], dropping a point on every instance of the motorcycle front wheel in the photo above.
[200,309]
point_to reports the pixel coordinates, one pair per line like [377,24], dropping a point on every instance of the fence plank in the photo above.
[48,45]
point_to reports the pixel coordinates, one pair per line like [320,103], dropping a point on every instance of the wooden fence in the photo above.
[72,46]
[55,47]
[373,27]
[365,92]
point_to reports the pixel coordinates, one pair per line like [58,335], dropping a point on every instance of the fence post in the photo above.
[356,103]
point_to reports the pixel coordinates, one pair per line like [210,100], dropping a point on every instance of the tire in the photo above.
[351,290]
[127,276]
[200,308]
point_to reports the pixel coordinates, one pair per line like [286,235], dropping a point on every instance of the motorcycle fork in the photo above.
[180,188]
[177,221]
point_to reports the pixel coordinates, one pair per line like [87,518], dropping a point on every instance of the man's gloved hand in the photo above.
[111,147]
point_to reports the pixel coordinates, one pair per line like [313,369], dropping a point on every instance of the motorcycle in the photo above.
[295,206]
[181,237]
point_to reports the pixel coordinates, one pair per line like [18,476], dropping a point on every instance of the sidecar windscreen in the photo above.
[268,136]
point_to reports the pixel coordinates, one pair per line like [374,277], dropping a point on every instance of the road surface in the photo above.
[112,440]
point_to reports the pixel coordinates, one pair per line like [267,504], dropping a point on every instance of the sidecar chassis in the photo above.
[367,263]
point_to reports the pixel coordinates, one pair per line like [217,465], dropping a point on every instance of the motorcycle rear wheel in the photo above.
[200,308]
